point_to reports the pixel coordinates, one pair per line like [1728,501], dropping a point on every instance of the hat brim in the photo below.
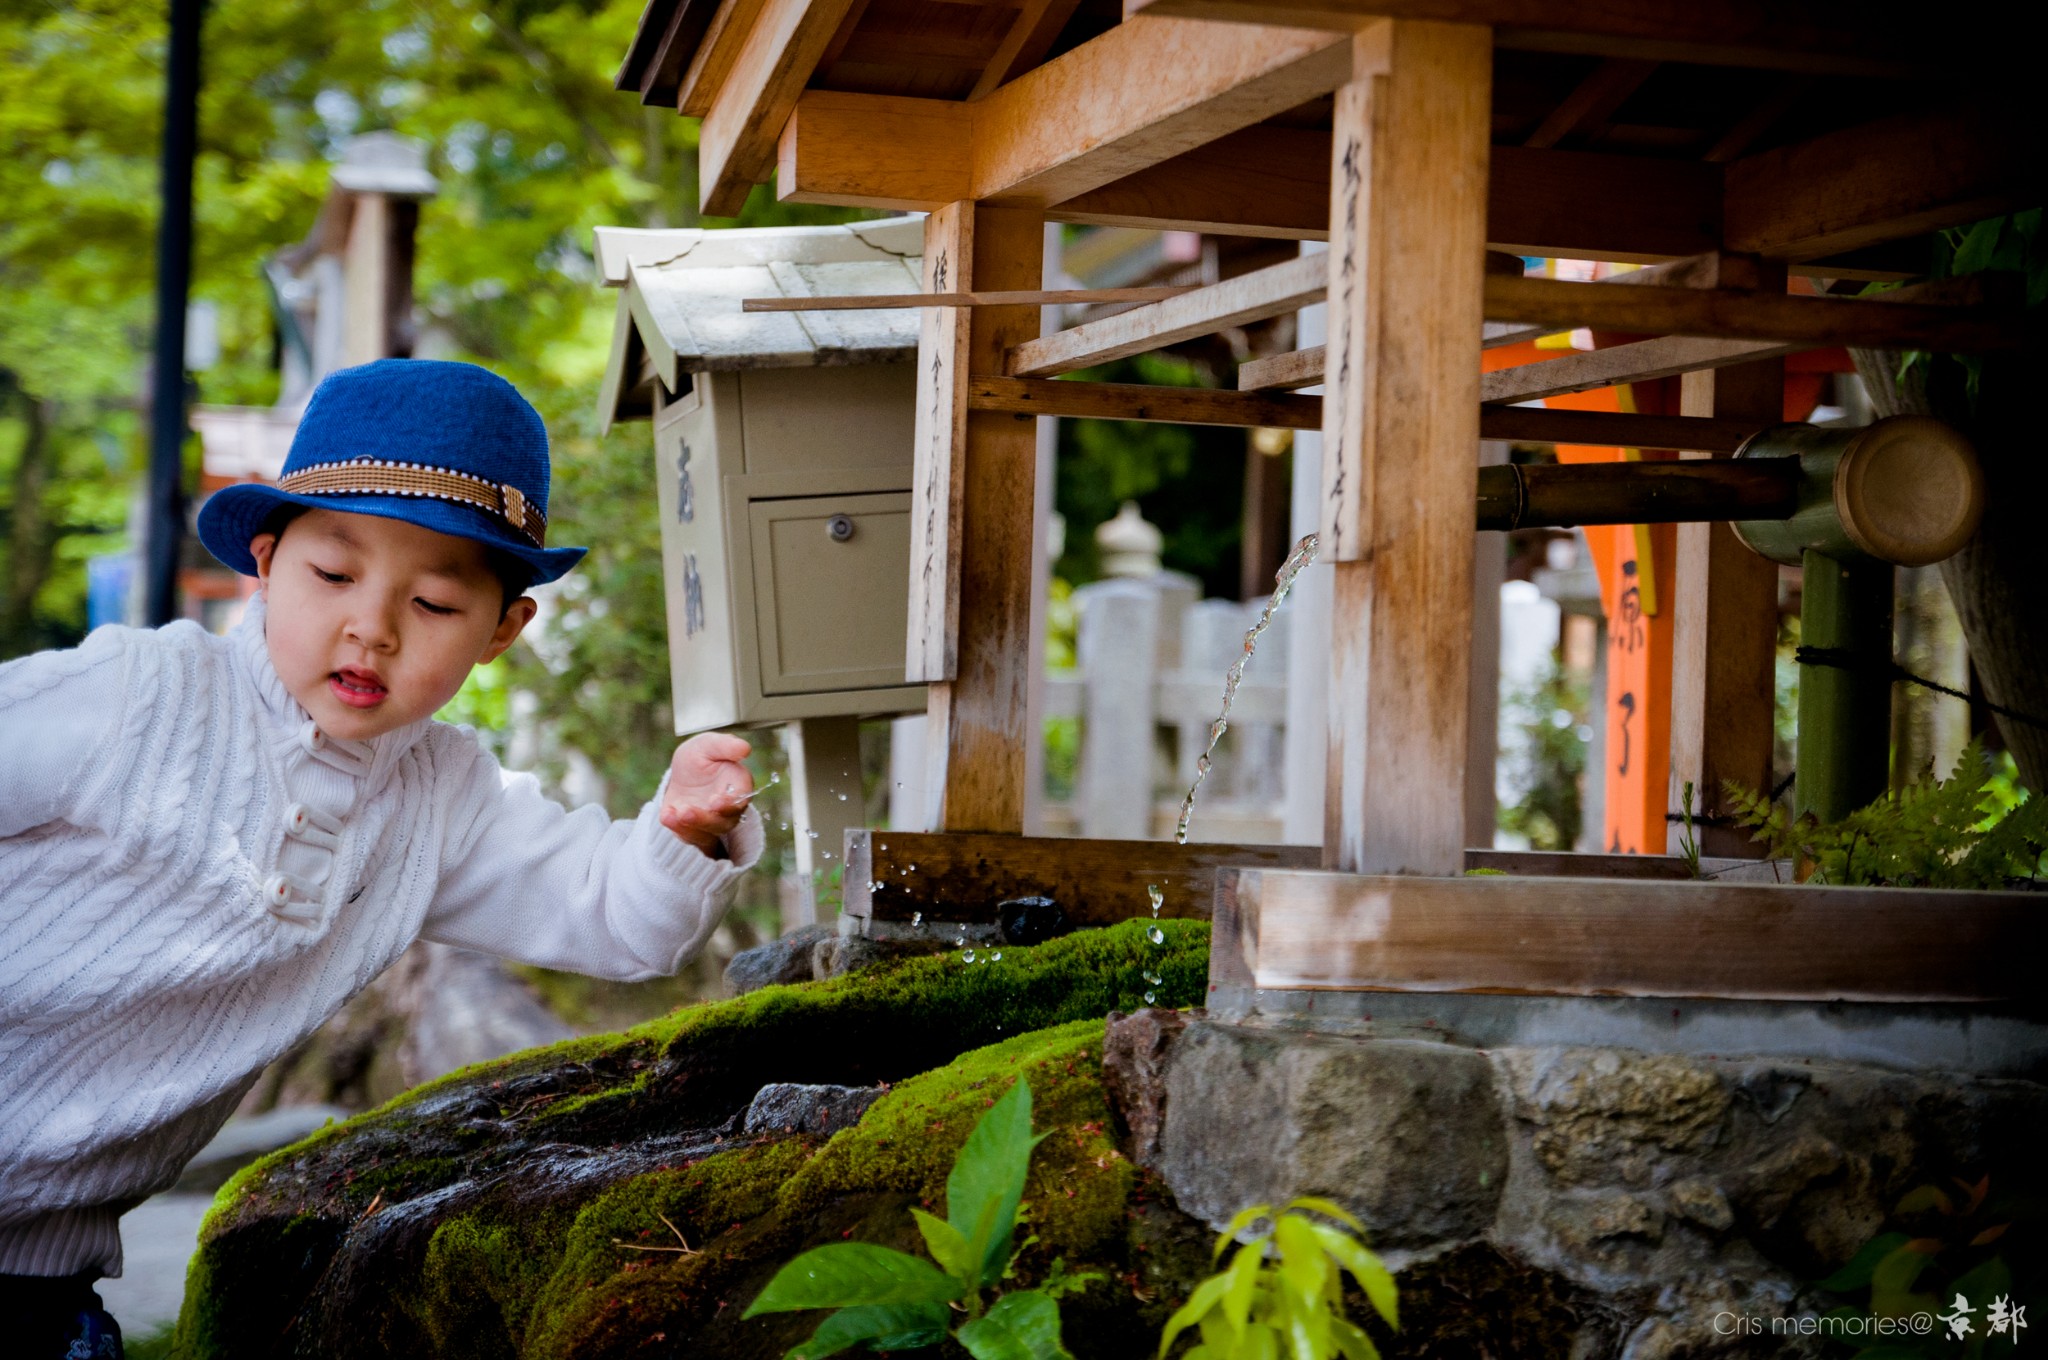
[235,514]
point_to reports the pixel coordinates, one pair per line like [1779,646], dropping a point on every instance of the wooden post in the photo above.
[824,801]
[1401,441]
[971,552]
[1725,606]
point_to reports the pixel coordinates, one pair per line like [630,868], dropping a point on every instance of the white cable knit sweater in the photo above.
[193,879]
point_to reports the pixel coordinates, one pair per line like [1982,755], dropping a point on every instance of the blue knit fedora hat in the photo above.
[449,447]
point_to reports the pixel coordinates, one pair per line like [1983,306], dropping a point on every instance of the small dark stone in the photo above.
[1030,920]
[785,960]
[786,1107]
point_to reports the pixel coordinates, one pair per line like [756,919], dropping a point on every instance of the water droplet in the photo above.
[913,868]
[1153,891]
[783,825]
[842,797]
[960,940]
[1155,935]
[996,957]
[1151,997]
[1154,978]
[968,956]
[812,834]
[917,918]
[875,886]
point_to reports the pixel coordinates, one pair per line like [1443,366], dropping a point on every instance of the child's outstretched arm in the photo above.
[707,789]
[527,879]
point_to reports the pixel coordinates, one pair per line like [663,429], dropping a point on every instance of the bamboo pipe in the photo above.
[1531,495]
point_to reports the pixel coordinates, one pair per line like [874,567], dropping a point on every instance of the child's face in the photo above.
[373,623]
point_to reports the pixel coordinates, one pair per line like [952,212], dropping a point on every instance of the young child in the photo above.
[208,844]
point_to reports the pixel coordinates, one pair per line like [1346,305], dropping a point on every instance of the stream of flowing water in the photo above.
[1283,582]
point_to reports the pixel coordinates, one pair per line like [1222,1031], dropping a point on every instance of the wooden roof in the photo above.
[1659,128]
[680,296]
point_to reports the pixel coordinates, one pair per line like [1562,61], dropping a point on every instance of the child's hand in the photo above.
[708,789]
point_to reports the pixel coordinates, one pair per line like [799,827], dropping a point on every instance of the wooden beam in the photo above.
[1282,372]
[961,876]
[1208,406]
[1036,27]
[1256,296]
[1669,355]
[736,146]
[1535,425]
[875,151]
[910,155]
[1144,92]
[1639,362]
[1790,35]
[1595,97]
[1401,437]
[981,586]
[1882,181]
[715,55]
[1588,937]
[1745,315]
[1138,401]
[1724,603]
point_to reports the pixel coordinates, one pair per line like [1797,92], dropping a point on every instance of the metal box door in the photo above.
[830,607]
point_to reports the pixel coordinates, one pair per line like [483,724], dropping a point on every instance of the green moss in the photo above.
[519,1256]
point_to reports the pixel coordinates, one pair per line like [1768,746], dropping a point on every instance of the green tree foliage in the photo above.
[1187,479]
[533,148]
[1550,715]
[889,1300]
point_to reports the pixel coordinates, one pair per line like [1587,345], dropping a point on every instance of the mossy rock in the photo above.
[506,1209]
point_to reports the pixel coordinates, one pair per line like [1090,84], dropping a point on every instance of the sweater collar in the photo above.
[287,712]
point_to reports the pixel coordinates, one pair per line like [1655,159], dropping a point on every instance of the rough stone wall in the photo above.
[1653,1196]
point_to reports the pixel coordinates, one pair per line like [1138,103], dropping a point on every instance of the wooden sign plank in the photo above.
[977,730]
[1401,441]
[939,453]
[1592,937]
[1263,293]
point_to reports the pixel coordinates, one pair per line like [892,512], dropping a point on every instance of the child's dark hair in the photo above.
[514,576]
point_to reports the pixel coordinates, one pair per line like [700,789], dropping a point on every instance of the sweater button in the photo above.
[312,738]
[277,891]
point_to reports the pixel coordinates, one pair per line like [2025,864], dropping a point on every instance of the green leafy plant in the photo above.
[1959,832]
[1944,1248]
[1688,839]
[890,1300]
[1282,1293]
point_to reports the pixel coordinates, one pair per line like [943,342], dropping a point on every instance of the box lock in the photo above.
[839,528]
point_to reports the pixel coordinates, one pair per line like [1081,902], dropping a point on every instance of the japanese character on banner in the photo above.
[2002,1313]
[1958,1317]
